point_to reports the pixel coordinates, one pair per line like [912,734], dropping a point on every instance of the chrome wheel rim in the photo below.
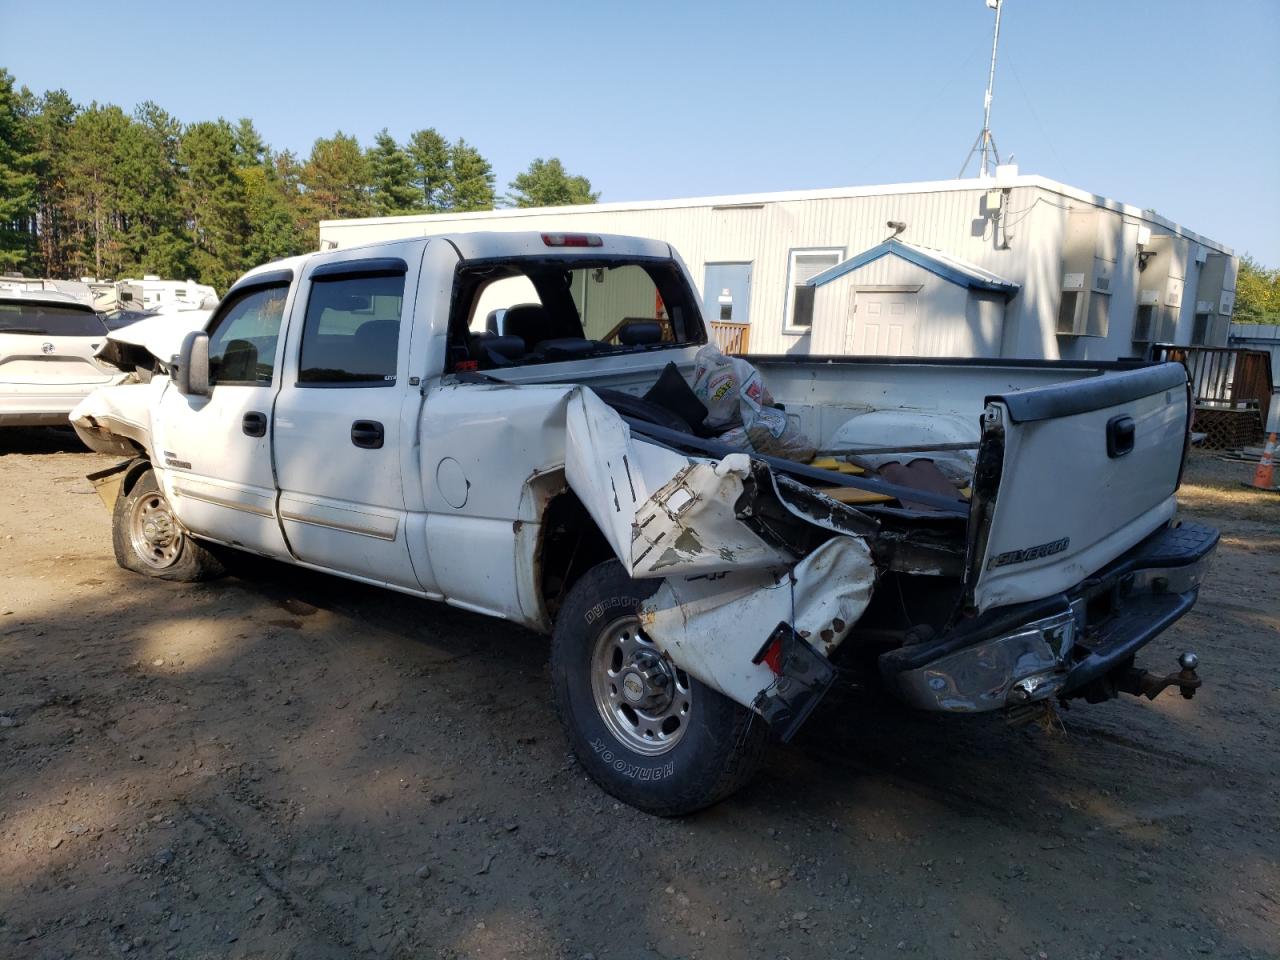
[643,699]
[153,531]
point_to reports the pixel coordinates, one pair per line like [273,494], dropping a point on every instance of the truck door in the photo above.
[338,433]
[215,451]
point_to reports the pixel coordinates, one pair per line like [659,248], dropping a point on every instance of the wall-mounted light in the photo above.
[897,226]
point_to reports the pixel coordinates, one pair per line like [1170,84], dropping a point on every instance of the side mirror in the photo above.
[192,374]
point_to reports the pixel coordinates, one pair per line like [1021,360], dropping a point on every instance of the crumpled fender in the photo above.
[714,626]
[117,419]
[661,511]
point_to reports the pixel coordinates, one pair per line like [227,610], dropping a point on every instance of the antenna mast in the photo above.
[986,143]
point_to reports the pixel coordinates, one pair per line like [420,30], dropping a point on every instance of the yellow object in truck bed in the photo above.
[853,495]
[831,463]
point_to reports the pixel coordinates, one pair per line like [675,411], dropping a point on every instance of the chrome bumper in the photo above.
[1060,652]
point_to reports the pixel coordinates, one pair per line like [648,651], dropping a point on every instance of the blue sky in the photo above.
[1170,104]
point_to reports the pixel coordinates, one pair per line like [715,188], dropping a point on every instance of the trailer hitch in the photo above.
[1142,683]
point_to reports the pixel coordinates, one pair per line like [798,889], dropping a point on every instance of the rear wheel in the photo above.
[149,540]
[646,731]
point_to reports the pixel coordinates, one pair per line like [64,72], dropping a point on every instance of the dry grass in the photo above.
[1215,488]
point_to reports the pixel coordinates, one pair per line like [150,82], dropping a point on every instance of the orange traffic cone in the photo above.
[1263,476]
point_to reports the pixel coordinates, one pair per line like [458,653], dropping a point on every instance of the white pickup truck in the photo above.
[981,535]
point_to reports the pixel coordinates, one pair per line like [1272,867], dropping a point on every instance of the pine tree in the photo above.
[214,200]
[337,178]
[251,149]
[429,153]
[17,177]
[392,173]
[52,118]
[546,184]
[470,184]
[154,238]
[274,227]
[92,204]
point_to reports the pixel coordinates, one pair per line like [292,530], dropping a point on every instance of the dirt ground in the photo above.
[283,764]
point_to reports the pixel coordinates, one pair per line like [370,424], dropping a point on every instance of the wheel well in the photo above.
[133,474]
[571,545]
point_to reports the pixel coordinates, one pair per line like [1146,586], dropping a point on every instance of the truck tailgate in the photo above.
[1070,476]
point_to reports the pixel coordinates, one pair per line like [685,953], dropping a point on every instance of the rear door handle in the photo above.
[1120,436]
[367,434]
[254,424]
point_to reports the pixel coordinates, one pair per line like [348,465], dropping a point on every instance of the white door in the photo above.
[882,323]
[338,433]
[216,450]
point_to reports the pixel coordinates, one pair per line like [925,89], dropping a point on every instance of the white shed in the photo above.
[902,300]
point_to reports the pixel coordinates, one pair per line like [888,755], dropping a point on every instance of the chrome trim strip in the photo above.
[221,501]
[338,525]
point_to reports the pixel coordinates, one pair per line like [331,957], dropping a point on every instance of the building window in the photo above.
[804,265]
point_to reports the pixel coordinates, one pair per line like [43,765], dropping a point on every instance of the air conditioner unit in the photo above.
[1089,253]
[1160,290]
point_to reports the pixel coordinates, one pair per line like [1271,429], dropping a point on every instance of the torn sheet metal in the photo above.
[713,626]
[661,511]
[160,335]
[117,419]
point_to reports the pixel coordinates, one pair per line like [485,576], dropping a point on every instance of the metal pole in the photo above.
[986,102]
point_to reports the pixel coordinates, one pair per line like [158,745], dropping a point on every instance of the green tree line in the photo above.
[1257,293]
[98,191]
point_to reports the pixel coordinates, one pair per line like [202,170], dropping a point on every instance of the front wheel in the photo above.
[149,540]
[646,731]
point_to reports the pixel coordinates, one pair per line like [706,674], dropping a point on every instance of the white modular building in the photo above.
[1010,266]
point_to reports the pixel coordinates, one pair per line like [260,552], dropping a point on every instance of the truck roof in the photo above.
[484,246]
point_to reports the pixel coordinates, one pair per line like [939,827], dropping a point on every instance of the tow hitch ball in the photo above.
[1142,683]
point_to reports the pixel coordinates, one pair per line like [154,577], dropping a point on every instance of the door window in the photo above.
[242,346]
[351,333]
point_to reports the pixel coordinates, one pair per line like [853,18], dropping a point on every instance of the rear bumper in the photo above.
[40,409]
[1061,646]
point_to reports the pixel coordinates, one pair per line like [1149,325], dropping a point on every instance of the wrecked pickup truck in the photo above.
[504,422]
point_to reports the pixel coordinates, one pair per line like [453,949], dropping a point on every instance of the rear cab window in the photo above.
[35,318]
[351,331]
[526,310]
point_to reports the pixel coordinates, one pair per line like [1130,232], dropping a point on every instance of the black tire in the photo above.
[181,558]
[718,751]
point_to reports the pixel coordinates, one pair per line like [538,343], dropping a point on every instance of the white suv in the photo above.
[48,363]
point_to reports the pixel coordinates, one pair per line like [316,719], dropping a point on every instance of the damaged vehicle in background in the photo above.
[975,535]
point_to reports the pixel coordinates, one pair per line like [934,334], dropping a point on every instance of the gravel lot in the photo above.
[283,764]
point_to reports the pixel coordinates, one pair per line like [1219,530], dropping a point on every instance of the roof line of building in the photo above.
[951,269]
[749,200]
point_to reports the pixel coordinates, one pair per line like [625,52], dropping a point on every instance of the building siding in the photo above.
[765,230]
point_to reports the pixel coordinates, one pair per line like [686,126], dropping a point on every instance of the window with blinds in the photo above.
[805,265]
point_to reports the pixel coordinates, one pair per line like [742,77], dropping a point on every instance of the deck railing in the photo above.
[731,337]
[1223,378]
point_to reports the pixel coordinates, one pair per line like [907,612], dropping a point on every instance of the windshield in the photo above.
[516,312]
[48,319]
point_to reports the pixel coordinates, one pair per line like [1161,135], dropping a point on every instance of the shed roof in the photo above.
[950,268]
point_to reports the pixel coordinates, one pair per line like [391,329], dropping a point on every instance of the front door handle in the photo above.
[254,424]
[367,434]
